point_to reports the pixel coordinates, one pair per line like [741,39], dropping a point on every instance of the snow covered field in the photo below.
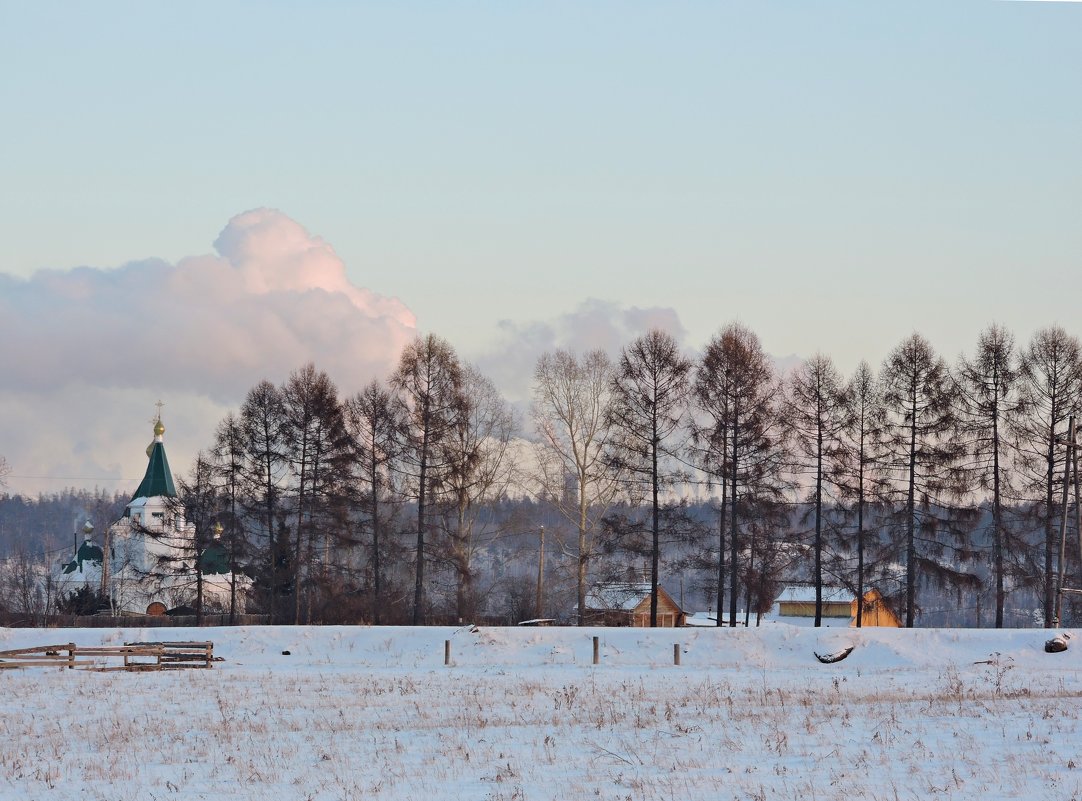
[373,713]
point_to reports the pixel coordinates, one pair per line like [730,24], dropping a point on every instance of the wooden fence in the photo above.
[135,656]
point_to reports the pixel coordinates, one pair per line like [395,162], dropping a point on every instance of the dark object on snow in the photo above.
[1055,645]
[827,659]
[285,653]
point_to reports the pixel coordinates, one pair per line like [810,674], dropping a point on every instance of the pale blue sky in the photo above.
[835,175]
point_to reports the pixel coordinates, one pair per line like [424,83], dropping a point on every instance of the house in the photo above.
[876,612]
[628,604]
[798,600]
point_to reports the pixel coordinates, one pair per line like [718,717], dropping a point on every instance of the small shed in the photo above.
[628,604]
[798,600]
[876,612]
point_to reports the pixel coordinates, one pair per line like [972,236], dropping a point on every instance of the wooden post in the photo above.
[447,652]
[676,654]
[596,650]
[71,656]
[210,655]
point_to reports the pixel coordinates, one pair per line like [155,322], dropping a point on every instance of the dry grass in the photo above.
[981,731]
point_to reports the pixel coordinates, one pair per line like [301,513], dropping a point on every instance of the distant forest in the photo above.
[423,498]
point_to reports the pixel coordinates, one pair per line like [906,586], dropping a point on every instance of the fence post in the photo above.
[595,650]
[447,652]
[676,654]
[71,656]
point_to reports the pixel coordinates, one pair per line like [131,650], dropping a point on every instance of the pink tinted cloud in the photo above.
[86,352]
[273,298]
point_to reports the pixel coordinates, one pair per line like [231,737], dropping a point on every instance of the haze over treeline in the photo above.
[717,475]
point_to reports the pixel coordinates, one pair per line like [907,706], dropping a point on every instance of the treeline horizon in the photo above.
[913,477]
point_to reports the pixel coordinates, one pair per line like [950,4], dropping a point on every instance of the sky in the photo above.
[196,196]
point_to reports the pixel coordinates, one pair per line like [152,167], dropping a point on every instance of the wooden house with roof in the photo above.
[628,604]
[876,612]
[798,601]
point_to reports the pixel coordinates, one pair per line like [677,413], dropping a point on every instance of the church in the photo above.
[149,559]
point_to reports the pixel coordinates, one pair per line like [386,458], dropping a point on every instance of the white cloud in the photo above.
[88,351]
[593,324]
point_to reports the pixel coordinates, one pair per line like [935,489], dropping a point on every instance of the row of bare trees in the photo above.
[918,474]
[308,488]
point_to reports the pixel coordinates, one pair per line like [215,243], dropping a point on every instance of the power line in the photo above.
[74,478]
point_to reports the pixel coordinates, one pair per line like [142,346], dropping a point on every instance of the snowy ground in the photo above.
[373,713]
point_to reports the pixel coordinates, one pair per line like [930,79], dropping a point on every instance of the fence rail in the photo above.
[136,656]
[58,621]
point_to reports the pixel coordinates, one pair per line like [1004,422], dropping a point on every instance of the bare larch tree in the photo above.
[1050,391]
[922,458]
[988,403]
[650,392]
[740,444]
[428,383]
[816,417]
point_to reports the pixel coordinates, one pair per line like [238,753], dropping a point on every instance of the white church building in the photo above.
[148,561]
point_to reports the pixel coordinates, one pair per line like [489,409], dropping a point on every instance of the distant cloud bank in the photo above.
[274,297]
[88,351]
[594,324]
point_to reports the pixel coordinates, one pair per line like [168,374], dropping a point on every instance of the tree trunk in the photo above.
[418,590]
[997,512]
[910,533]
[377,596]
[583,555]
[721,543]
[1049,532]
[299,533]
[819,517]
[733,521]
[655,551]
[860,532]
